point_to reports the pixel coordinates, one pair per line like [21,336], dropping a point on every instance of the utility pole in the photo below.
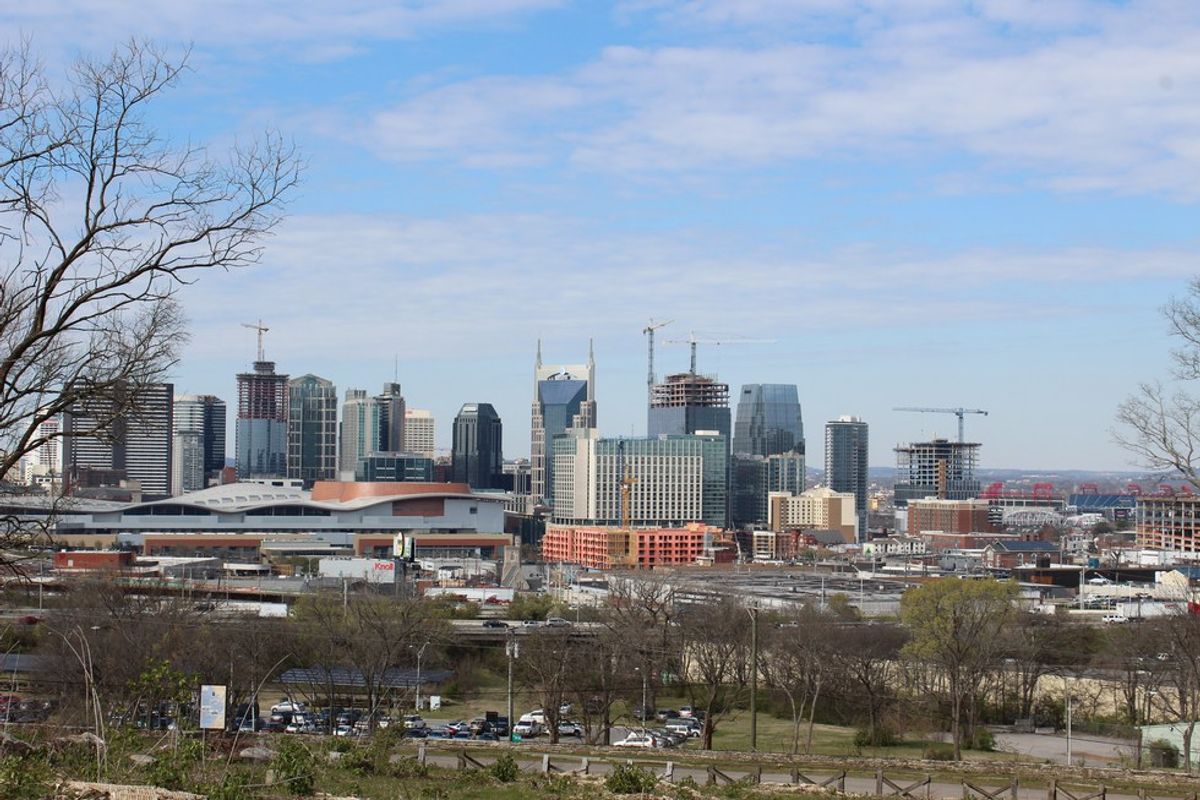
[510,650]
[1068,729]
[754,679]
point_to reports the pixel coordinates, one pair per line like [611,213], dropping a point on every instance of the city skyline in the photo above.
[988,203]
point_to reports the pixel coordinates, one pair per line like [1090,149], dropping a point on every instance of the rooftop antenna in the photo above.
[261,330]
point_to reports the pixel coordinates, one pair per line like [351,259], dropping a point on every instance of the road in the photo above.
[1087,750]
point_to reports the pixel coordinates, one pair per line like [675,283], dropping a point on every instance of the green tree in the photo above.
[956,628]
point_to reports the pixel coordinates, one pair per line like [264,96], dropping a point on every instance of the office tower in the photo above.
[476,453]
[564,398]
[260,435]
[199,442]
[43,464]
[675,479]
[754,478]
[312,430]
[367,426]
[394,467]
[846,456]
[688,403]
[127,437]
[419,432]
[768,420]
[939,468]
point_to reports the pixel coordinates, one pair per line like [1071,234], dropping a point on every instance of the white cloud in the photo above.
[321,29]
[1113,104]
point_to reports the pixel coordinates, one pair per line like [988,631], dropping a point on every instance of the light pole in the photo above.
[1068,728]
[511,649]
[420,652]
[642,711]
[753,610]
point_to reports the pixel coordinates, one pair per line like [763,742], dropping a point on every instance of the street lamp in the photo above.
[642,713]
[420,652]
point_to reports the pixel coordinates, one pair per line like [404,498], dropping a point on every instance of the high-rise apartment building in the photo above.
[312,429]
[939,468]
[260,435]
[675,479]
[564,398]
[43,465]
[754,478]
[199,442]
[371,425]
[129,437]
[419,432]
[846,454]
[476,454]
[769,420]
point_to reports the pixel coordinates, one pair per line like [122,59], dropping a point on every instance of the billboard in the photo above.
[371,570]
[212,707]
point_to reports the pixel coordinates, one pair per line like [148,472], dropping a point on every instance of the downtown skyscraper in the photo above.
[261,429]
[846,455]
[312,430]
[199,442]
[370,424]
[128,437]
[564,398]
[477,455]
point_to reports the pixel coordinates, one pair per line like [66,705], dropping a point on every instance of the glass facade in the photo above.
[846,462]
[477,458]
[561,401]
[769,420]
[399,467]
[312,429]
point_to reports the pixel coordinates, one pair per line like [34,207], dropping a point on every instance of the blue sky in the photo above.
[920,202]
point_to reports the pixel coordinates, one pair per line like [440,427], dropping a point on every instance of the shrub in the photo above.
[24,778]
[883,737]
[505,769]
[232,787]
[295,767]
[630,779]
[983,740]
[938,751]
[1164,754]
[172,769]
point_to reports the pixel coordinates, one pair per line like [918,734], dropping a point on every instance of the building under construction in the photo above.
[687,403]
[939,468]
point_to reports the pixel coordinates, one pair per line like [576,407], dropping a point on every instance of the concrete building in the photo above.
[820,508]
[846,463]
[129,438]
[43,466]
[675,479]
[476,454]
[420,432]
[688,403]
[939,468]
[611,547]
[198,424]
[769,420]
[564,398]
[312,429]
[260,433]
[1168,522]
[949,516]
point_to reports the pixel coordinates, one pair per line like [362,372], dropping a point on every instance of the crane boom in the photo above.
[649,331]
[693,341]
[261,330]
[958,412]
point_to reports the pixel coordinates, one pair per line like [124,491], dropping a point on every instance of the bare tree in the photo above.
[794,661]
[716,646]
[1160,424]
[545,667]
[865,656]
[102,221]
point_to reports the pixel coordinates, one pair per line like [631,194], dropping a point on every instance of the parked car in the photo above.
[557,622]
[287,706]
[537,715]
[637,740]
[495,623]
[665,714]
[527,729]
[531,623]
[413,721]
[686,712]
[488,736]
[570,729]
[688,727]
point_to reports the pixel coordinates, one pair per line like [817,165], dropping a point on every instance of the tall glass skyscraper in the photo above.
[846,463]
[260,435]
[477,456]
[768,420]
[312,429]
[564,398]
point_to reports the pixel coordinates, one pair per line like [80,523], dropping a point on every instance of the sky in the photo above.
[906,202]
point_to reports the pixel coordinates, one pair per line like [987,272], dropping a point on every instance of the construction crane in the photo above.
[649,331]
[693,341]
[261,330]
[958,412]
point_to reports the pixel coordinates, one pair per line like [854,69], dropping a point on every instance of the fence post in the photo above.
[879,783]
[421,755]
[712,776]
[795,774]
[669,772]
[1141,794]
[1052,790]
[546,764]
[585,766]
[1103,792]
[966,792]
[1016,789]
